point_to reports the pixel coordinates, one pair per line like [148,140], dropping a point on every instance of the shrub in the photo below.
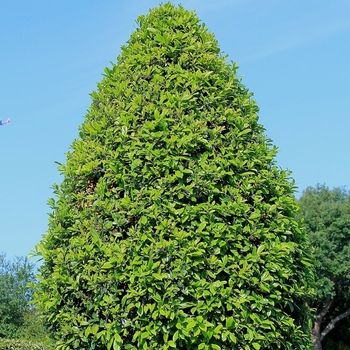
[173,226]
[14,344]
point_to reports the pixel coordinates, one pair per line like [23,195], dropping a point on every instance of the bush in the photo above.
[173,226]
[11,344]
[33,330]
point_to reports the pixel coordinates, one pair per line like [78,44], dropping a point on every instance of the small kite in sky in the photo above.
[3,123]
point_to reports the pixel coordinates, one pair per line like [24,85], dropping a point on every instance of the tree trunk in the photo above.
[316,329]
[317,344]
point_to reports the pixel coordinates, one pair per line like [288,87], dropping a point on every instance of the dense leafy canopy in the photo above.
[327,218]
[173,227]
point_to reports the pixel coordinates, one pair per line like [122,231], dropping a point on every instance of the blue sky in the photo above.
[293,55]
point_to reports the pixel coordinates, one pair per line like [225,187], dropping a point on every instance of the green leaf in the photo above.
[145,335]
[171,343]
[107,265]
[233,338]
[201,226]
[229,322]
[246,131]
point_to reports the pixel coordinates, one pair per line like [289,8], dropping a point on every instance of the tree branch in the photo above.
[325,309]
[316,329]
[331,324]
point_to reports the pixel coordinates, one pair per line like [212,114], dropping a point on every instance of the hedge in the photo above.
[15,344]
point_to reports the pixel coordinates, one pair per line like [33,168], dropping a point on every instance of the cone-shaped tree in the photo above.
[173,226]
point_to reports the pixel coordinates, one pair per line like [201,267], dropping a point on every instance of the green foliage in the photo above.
[18,319]
[7,344]
[173,227]
[33,330]
[327,218]
[14,294]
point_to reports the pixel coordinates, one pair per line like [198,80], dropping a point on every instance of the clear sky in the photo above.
[293,55]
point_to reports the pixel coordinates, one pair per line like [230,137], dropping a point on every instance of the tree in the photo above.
[173,226]
[327,218]
[15,295]
[19,320]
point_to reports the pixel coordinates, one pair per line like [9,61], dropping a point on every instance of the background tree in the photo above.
[15,294]
[327,217]
[19,320]
[173,227]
